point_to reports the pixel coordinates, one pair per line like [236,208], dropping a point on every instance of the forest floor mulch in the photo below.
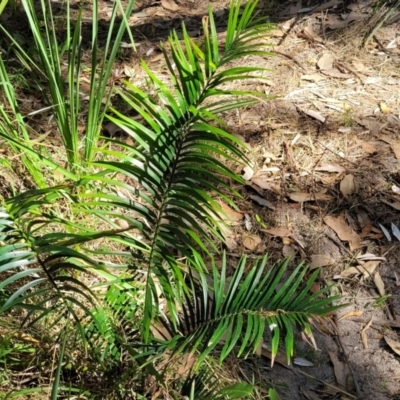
[323,184]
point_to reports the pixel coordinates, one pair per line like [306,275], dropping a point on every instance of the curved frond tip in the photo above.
[236,311]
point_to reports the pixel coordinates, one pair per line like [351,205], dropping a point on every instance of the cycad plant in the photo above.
[124,254]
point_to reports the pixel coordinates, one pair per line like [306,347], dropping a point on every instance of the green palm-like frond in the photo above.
[37,266]
[205,385]
[234,312]
[179,155]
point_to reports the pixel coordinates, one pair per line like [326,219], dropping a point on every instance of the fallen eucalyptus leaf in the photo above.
[330,168]
[385,232]
[367,270]
[308,30]
[273,187]
[302,362]
[370,257]
[315,114]
[251,241]
[395,205]
[379,283]
[262,202]
[340,369]
[170,5]
[321,260]
[247,222]
[335,73]
[313,77]
[278,231]
[344,231]
[228,214]
[301,197]
[364,333]
[395,231]
[348,185]
[326,61]
[395,346]
[357,313]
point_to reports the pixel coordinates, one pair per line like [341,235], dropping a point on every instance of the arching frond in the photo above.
[179,155]
[234,312]
[205,385]
[34,268]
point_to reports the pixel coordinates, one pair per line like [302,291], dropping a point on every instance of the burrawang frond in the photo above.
[205,385]
[232,314]
[179,155]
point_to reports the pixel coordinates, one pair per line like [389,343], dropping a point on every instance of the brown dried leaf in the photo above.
[321,260]
[313,77]
[351,314]
[301,197]
[328,180]
[289,252]
[170,5]
[229,237]
[344,231]
[330,168]
[251,241]
[370,257]
[367,232]
[396,149]
[367,269]
[278,231]
[360,67]
[231,243]
[267,185]
[156,58]
[341,369]
[268,155]
[326,61]
[309,32]
[364,333]
[335,73]
[367,147]
[395,346]
[379,283]
[315,287]
[228,214]
[395,205]
[122,223]
[348,185]
[315,114]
